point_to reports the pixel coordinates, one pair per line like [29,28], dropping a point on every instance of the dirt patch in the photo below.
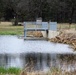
[6,23]
[67,37]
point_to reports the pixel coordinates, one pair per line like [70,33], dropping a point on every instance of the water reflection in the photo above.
[41,55]
[39,61]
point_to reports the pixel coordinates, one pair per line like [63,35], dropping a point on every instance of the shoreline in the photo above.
[66,37]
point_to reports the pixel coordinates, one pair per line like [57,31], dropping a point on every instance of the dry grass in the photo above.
[66,37]
[54,72]
[6,28]
[63,26]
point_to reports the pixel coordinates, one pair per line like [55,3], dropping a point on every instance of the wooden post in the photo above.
[24,29]
[75,26]
[47,34]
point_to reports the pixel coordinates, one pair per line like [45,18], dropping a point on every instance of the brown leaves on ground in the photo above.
[67,38]
[48,73]
[29,70]
[35,33]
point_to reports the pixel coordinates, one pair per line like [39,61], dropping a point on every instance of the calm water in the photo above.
[42,55]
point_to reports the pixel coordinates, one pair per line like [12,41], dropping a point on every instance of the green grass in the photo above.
[14,70]
[11,70]
[3,70]
[9,29]
[11,32]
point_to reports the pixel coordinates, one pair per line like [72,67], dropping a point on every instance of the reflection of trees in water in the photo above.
[31,59]
[3,60]
[40,61]
[68,57]
[48,60]
[37,60]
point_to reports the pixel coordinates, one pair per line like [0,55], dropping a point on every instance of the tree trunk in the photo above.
[16,20]
[71,17]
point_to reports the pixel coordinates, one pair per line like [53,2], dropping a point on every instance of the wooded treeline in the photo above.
[29,10]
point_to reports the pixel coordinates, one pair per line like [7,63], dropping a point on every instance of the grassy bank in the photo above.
[17,71]
[9,71]
[6,28]
[66,26]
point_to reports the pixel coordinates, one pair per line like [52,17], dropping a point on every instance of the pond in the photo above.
[17,52]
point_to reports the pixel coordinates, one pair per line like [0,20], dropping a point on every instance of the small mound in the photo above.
[67,37]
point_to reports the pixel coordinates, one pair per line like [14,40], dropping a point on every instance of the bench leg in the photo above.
[25,34]
[46,33]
